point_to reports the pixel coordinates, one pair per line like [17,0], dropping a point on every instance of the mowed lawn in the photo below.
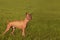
[45,23]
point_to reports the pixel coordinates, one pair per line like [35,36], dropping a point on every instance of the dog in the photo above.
[19,24]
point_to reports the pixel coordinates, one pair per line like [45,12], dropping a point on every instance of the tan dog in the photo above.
[19,24]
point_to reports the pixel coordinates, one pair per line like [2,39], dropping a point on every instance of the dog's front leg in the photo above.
[23,32]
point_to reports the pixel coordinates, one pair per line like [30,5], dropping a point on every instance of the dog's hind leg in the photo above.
[7,29]
[13,29]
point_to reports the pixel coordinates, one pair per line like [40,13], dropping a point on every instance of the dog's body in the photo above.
[19,24]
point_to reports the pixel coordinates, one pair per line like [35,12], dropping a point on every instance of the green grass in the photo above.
[45,23]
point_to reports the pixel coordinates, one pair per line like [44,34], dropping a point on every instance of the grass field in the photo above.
[45,23]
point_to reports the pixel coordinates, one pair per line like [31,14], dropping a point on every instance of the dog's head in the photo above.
[28,16]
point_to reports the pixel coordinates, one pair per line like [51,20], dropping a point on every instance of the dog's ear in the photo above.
[26,13]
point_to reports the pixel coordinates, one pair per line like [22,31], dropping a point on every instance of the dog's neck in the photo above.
[26,20]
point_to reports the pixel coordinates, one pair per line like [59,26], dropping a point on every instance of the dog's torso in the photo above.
[18,24]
